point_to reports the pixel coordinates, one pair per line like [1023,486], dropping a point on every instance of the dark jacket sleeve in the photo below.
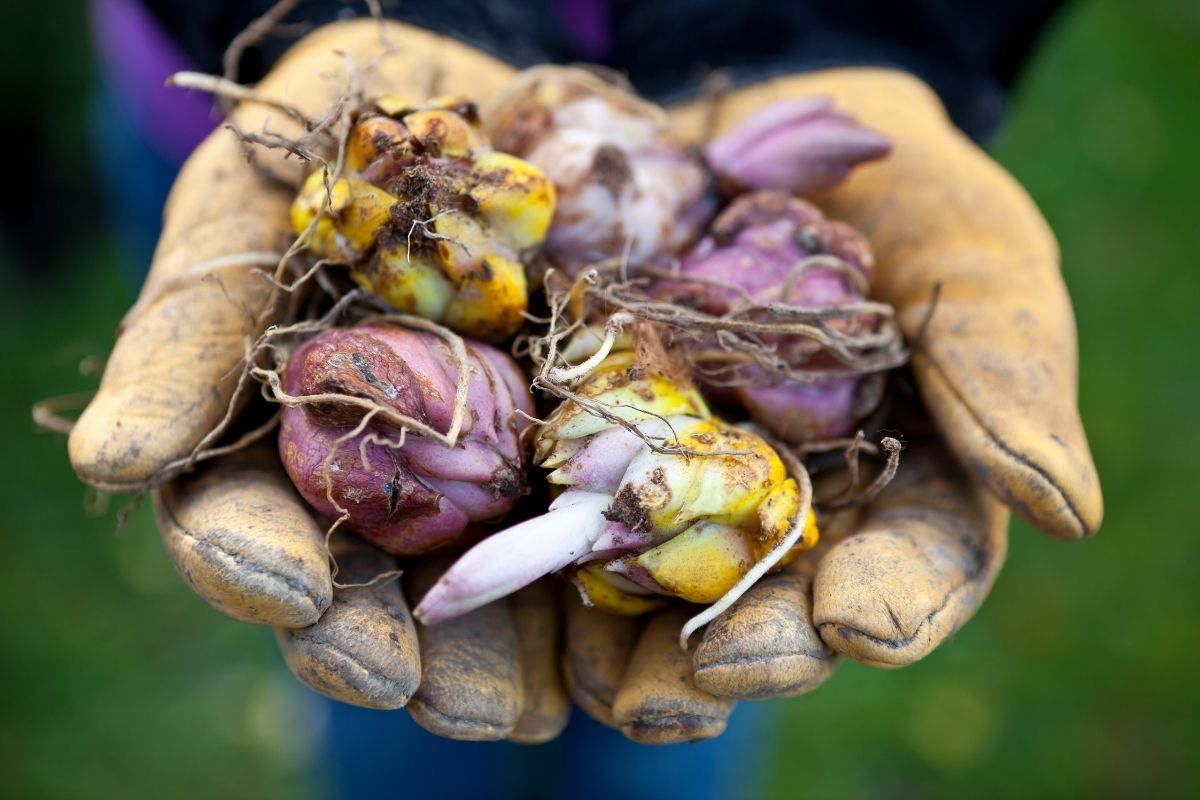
[970,52]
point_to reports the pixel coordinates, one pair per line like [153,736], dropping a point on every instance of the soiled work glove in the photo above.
[996,371]
[236,529]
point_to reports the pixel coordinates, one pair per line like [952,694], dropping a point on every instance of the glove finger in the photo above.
[173,369]
[244,541]
[997,364]
[921,564]
[363,650]
[766,646]
[546,708]
[597,651]
[658,701]
[471,688]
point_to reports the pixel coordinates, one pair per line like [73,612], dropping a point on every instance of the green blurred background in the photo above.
[1079,677]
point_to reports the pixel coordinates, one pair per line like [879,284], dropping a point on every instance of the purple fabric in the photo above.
[587,24]
[137,56]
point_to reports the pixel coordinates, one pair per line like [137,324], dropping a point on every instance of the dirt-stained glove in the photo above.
[930,545]
[995,367]
[237,530]
[629,673]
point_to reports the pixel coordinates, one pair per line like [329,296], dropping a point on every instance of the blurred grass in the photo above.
[1078,677]
[117,681]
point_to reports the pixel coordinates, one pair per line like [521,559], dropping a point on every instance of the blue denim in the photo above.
[384,754]
[135,181]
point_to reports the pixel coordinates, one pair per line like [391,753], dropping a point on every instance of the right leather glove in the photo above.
[996,373]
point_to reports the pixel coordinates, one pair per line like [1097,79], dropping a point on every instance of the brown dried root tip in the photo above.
[852,457]
[848,498]
[715,87]
[767,562]
[935,296]
[48,413]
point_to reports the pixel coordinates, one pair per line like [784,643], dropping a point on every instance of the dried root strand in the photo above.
[749,334]
[48,414]
[715,87]
[253,34]
[301,148]
[272,379]
[558,379]
[852,495]
[768,561]
[742,346]
[612,329]
[210,268]
[230,90]
[343,512]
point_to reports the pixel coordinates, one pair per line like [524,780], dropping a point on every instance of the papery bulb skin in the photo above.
[763,249]
[626,191]
[424,494]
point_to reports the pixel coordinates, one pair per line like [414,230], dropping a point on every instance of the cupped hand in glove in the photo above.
[236,528]
[995,368]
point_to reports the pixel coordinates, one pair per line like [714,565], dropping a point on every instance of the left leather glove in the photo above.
[245,542]
[237,530]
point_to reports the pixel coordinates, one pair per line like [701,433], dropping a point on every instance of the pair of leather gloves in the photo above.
[995,369]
